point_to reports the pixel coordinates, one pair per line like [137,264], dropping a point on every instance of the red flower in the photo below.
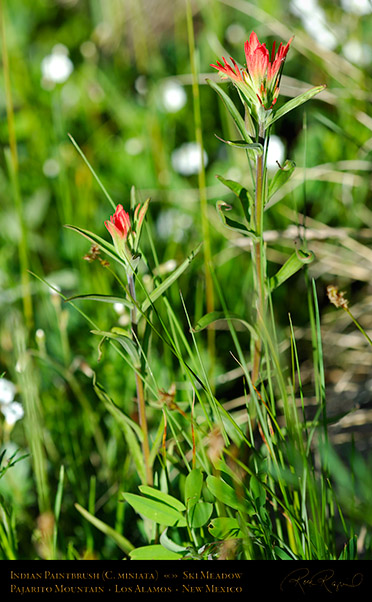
[119,224]
[125,232]
[261,79]
[228,71]
[264,75]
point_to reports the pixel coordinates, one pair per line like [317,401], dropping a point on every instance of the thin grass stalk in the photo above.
[202,184]
[13,167]
[57,510]
[33,415]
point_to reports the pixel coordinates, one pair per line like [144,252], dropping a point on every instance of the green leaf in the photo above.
[294,103]
[125,341]
[193,487]
[155,552]
[131,430]
[283,555]
[103,298]
[242,193]
[296,261]
[258,491]
[350,549]
[160,290]
[154,510]
[281,177]
[115,411]
[106,247]
[134,201]
[223,492]
[199,514]
[92,170]
[163,497]
[171,545]
[239,121]
[233,224]
[121,541]
[225,528]
[254,146]
[214,316]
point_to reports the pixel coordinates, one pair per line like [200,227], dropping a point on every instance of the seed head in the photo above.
[336,297]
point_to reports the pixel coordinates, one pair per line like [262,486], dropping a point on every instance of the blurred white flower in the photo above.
[173,96]
[167,267]
[12,412]
[133,146]
[88,49]
[119,308]
[187,159]
[275,152]
[358,7]
[7,391]
[172,225]
[235,33]
[141,85]
[314,22]
[56,68]
[51,168]
[357,53]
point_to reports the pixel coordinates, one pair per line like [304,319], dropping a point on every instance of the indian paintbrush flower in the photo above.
[126,232]
[259,82]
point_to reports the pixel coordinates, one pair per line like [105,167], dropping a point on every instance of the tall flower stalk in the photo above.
[258,252]
[258,86]
[125,236]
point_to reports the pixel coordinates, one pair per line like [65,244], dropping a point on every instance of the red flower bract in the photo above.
[261,79]
[264,74]
[228,71]
[119,224]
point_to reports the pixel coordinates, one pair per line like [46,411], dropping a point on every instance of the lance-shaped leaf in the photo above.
[121,541]
[253,146]
[154,552]
[116,412]
[239,121]
[136,205]
[281,177]
[199,514]
[106,247]
[242,193]
[296,261]
[102,298]
[293,104]
[163,497]
[125,341]
[155,510]
[225,528]
[160,290]
[232,224]
[131,430]
[92,170]
[214,316]
[170,545]
[223,492]
[193,487]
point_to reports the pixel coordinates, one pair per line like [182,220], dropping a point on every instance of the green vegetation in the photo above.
[184,388]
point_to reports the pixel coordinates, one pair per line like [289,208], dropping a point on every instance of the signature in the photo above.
[302,579]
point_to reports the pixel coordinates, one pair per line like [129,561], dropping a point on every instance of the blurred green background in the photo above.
[116,76]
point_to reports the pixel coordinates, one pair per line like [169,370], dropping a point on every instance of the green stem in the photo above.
[258,253]
[140,390]
[358,325]
[202,183]
[13,166]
